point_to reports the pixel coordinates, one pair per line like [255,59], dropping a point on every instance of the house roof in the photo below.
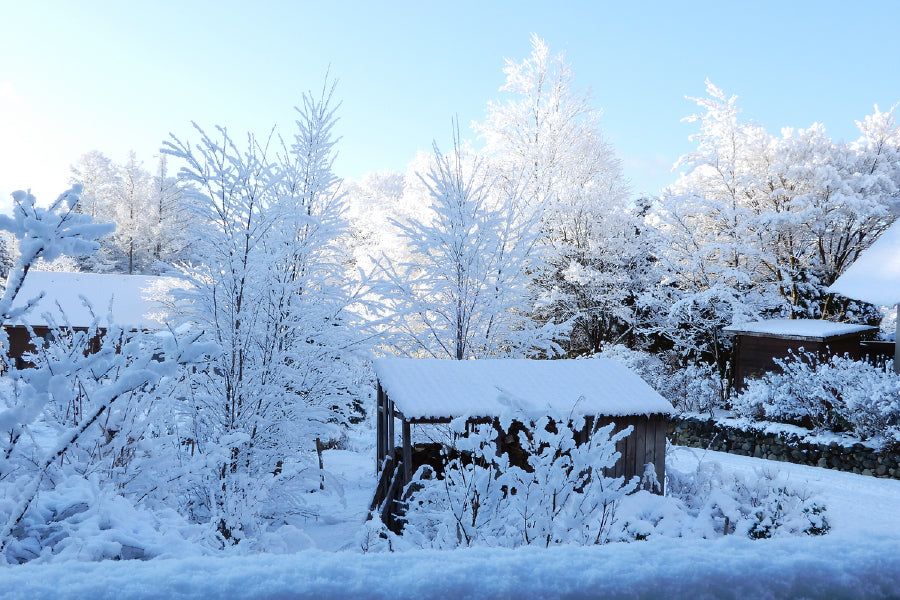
[136,299]
[804,329]
[435,388]
[874,276]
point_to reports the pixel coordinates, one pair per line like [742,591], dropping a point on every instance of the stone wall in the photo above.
[858,458]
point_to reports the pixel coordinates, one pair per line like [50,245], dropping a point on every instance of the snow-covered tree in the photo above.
[148,211]
[760,225]
[170,218]
[548,133]
[371,203]
[97,175]
[465,291]
[77,426]
[131,210]
[269,288]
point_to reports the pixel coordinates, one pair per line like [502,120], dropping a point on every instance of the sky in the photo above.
[117,76]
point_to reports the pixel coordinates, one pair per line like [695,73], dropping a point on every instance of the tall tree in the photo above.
[464,293]
[270,290]
[548,132]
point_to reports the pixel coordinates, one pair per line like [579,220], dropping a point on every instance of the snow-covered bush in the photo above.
[85,411]
[82,519]
[559,495]
[765,506]
[837,394]
[558,499]
[693,388]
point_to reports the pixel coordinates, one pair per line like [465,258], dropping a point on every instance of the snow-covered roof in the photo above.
[811,329]
[135,298]
[874,276]
[433,388]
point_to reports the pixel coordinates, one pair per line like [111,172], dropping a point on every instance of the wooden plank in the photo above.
[619,470]
[387,511]
[662,427]
[630,452]
[650,441]
[391,438]
[640,445]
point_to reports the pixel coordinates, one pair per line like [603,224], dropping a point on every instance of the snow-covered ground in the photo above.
[860,558]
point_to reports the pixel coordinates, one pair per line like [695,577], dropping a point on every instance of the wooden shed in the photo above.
[135,302]
[758,344]
[431,391]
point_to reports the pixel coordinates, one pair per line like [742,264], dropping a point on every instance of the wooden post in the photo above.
[407,452]
[897,343]
[390,440]
[321,464]
[379,429]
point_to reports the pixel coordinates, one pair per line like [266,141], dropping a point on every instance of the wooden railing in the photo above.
[386,504]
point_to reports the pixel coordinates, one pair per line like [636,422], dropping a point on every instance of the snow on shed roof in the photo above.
[812,329]
[874,276]
[135,298]
[435,388]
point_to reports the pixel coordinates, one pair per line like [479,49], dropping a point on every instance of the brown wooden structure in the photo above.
[22,342]
[758,344]
[61,296]
[427,392]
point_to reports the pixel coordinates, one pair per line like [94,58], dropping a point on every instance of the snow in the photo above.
[874,276]
[727,568]
[435,388]
[797,328]
[857,559]
[858,506]
[135,304]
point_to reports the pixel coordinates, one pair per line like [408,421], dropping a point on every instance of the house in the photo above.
[431,391]
[874,277]
[758,344]
[71,301]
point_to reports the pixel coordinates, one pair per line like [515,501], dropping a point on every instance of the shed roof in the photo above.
[807,329]
[136,299]
[874,276]
[435,388]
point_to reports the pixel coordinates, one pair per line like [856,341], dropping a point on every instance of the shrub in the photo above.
[837,394]
[561,495]
[758,507]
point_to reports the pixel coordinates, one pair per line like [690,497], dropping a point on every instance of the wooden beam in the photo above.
[407,452]
[379,429]
[391,439]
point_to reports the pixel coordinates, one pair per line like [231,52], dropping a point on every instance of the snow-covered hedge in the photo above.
[837,394]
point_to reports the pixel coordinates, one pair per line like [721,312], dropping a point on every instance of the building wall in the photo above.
[755,355]
[20,342]
[645,444]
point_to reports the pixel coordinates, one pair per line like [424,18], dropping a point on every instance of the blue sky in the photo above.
[114,76]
